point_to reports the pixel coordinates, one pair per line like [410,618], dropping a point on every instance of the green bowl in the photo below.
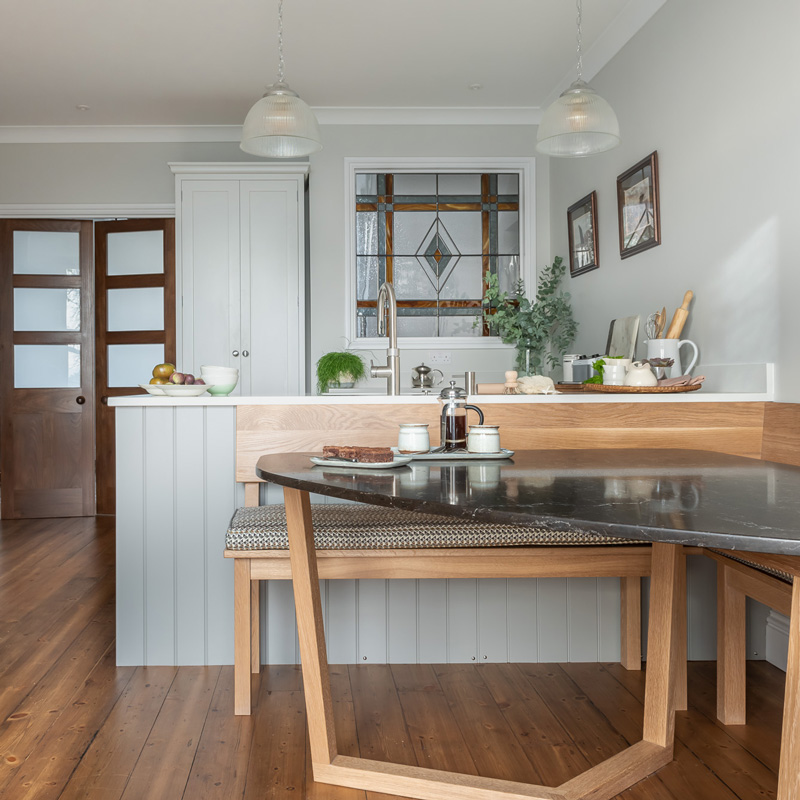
[222,389]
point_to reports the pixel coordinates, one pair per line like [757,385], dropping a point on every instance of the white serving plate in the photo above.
[335,462]
[156,389]
[181,390]
[458,456]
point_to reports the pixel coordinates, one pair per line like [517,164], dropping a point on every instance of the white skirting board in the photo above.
[175,497]
[777,648]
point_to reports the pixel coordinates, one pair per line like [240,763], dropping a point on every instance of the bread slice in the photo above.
[367,455]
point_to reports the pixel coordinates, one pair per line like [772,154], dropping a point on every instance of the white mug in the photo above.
[670,348]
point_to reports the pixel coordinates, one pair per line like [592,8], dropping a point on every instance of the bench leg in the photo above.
[681,642]
[731,649]
[788,772]
[255,627]
[631,622]
[241,635]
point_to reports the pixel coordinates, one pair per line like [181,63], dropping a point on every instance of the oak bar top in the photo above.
[687,497]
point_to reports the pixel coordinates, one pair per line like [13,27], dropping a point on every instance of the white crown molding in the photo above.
[238,167]
[86,210]
[428,116]
[89,134]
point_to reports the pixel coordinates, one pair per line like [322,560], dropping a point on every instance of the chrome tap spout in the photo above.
[387,326]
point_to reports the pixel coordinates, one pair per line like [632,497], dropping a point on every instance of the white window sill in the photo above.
[433,343]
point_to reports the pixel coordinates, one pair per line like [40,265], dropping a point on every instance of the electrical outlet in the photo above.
[440,356]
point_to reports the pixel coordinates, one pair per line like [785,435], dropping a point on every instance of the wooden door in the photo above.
[46,369]
[135,319]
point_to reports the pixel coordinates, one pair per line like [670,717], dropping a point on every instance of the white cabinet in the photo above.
[241,268]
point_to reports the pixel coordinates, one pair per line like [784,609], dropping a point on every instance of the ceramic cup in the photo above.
[670,348]
[483,439]
[413,438]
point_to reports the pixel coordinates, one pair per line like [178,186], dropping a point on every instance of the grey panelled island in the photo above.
[180,475]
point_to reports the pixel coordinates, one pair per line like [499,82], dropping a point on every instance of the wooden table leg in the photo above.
[659,695]
[789,770]
[598,783]
[308,608]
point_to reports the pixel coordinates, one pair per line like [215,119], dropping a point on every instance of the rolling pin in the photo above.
[679,317]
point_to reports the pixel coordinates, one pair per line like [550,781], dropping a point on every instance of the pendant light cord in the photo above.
[579,4]
[280,41]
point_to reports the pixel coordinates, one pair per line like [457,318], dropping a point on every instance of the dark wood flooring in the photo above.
[76,727]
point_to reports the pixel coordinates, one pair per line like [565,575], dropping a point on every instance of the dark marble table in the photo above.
[667,497]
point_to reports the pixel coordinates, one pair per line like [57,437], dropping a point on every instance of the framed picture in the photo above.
[582,224]
[637,203]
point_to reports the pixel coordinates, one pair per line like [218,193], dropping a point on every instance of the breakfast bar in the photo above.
[743,506]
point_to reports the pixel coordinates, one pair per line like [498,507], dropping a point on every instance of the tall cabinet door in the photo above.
[46,368]
[210,285]
[242,266]
[272,329]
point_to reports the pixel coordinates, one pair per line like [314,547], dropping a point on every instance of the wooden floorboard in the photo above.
[73,726]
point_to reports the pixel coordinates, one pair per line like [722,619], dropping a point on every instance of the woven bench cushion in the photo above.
[776,573]
[363,527]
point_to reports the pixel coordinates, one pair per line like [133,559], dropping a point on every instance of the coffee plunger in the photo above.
[454,418]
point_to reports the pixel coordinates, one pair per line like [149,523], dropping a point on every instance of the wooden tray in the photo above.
[601,387]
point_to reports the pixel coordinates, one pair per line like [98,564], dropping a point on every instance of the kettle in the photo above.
[454,418]
[422,377]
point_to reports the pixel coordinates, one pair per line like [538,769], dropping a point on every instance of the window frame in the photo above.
[524,167]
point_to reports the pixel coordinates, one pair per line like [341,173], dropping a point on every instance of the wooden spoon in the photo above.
[661,322]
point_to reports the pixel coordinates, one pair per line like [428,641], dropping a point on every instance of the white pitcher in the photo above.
[670,348]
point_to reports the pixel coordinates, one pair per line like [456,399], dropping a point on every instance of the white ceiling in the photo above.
[205,62]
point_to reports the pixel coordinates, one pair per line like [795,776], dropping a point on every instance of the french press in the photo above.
[454,418]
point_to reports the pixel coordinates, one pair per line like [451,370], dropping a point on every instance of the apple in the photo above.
[163,370]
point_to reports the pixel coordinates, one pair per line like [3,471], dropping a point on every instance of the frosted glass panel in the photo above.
[135,253]
[47,309]
[47,253]
[132,364]
[47,366]
[136,310]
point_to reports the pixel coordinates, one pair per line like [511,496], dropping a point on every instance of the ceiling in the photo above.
[205,62]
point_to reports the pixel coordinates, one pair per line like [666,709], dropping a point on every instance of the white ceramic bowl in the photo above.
[220,370]
[182,390]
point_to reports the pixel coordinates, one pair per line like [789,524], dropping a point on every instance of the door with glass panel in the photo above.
[135,302]
[46,369]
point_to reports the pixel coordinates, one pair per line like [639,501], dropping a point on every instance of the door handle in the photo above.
[80,400]
[104,400]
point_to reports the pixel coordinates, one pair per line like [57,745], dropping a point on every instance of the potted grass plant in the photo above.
[339,370]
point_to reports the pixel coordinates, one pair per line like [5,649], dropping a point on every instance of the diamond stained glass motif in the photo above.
[436,237]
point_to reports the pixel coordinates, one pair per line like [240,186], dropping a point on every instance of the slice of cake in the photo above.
[367,455]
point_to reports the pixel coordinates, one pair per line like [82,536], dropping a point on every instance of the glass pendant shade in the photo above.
[579,123]
[280,125]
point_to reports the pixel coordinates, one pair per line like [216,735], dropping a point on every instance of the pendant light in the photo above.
[280,124]
[580,123]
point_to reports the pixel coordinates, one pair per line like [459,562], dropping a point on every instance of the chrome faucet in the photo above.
[387,326]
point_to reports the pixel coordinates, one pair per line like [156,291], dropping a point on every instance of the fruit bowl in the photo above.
[153,388]
[182,390]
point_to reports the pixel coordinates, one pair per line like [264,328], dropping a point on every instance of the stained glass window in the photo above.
[434,236]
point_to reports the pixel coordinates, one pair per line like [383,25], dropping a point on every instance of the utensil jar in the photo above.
[670,348]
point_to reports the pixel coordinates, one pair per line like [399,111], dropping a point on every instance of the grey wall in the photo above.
[704,84]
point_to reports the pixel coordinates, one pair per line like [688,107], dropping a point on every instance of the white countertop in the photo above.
[699,396]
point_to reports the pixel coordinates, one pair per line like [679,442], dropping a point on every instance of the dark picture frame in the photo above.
[638,207]
[584,254]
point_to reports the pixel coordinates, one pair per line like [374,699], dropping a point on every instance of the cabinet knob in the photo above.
[245,353]
[80,400]
[235,353]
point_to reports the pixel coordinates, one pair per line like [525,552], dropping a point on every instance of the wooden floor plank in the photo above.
[106,767]
[492,744]
[45,772]
[163,767]
[223,752]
